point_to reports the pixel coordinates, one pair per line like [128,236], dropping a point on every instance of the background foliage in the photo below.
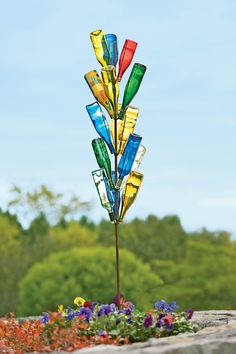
[61,255]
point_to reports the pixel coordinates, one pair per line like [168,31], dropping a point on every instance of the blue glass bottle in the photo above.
[100,124]
[128,157]
[113,194]
[112,47]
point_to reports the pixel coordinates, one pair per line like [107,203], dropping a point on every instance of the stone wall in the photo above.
[217,335]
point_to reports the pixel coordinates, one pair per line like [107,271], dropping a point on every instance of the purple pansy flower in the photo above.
[147,321]
[106,309]
[115,299]
[45,318]
[160,321]
[86,312]
[189,313]
[101,332]
[162,305]
[129,320]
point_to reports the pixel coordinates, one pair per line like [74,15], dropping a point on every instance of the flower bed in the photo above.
[91,323]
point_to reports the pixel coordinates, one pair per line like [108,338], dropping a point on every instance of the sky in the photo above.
[187,102]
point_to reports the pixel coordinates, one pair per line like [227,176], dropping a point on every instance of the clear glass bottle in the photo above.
[99,177]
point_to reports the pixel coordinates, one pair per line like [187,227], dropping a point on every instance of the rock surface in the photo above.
[217,335]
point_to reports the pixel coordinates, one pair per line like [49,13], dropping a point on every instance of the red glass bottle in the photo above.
[126,57]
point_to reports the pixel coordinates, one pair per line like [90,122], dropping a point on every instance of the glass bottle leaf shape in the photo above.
[96,86]
[130,192]
[128,156]
[112,48]
[132,86]
[126,57]
[99,178]
[127,126]
[111,87]
[100,124]
[100,47]
[102,158]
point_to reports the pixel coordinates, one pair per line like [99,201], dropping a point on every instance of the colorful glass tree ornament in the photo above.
[130,192]
[100,47]
[132,86]
[112,48]
[128,157]
[102,158]
[96,86]
[100,123]
[99,178]
[111,87]
[138,158]
[126,57]
[127,126]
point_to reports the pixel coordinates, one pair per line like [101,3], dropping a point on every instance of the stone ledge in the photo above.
[216,336]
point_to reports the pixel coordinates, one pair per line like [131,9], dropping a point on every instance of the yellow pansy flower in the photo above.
[79,301]
[60,309]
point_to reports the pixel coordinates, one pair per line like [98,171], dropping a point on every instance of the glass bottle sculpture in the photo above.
[132,86]
[127,126]
[100,47]
[126,57]
[112,48]
[99,178]
[111,87]
[102,158]
[96,86]
[130,192]
[128,157]
[100,123]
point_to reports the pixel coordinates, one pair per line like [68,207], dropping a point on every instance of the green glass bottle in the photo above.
[102,158]
[132,86]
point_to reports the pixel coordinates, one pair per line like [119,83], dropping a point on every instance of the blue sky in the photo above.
[187,101]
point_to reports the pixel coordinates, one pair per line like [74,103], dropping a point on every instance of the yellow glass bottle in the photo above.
[96,86]
[111,87]
[130,192]
[100,47]
[127,126]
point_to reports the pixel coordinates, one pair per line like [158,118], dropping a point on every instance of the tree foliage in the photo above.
[197,269]
[88,271]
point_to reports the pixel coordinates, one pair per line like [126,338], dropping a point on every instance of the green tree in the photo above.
[203,280]
[86,272]
[149,239]
[11,262]
[55,206]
